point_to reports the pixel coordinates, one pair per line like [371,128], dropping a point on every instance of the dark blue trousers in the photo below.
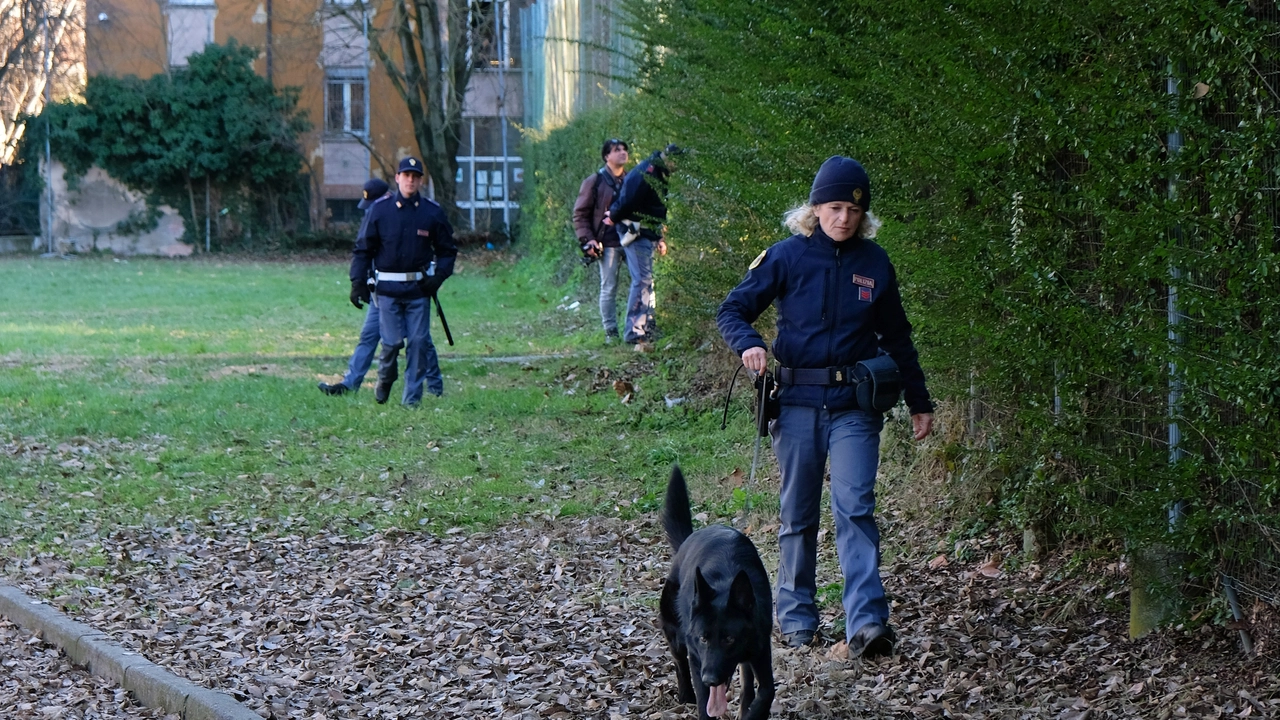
[407,324]
[362,358]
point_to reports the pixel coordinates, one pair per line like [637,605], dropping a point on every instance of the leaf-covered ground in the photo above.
[38,681]
[555,619]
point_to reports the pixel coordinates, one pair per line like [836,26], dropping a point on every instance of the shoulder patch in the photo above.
[759,259]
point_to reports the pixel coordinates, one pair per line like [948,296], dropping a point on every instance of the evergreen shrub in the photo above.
[213,120]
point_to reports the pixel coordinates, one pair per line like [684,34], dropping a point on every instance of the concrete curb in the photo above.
[151,684]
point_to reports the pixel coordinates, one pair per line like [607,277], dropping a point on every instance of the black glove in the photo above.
[430,284]
[360,291]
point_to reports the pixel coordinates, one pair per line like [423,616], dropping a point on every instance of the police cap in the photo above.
[410,164]
[374,188]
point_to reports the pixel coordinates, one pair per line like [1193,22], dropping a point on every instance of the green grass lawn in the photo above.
[171,391]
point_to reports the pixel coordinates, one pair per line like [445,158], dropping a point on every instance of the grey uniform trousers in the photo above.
[803,439]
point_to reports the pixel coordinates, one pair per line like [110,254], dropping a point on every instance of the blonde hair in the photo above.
[802,220]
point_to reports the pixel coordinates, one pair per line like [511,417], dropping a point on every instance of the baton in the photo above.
[443,323]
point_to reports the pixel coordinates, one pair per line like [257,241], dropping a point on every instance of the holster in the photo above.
[879,383]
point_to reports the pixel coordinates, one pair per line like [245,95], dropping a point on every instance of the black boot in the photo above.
[388,371]
[338,389]
[872,640]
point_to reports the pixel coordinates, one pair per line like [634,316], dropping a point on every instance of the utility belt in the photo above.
[398,277]
[877,382]
[380,276]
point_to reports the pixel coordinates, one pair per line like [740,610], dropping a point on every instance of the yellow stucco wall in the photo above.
[131,41]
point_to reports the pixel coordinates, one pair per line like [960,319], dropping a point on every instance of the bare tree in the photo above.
[41,42]
[428,49]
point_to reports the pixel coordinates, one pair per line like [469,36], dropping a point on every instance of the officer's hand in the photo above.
[607,220]
[755,360]
[922,425]
[590,248]
[430,284]
[360,291]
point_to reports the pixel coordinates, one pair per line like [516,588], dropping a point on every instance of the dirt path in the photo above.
[556,620]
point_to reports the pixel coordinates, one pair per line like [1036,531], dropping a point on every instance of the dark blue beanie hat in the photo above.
[841,178]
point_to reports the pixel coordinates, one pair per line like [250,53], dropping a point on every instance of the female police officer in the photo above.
[838,304]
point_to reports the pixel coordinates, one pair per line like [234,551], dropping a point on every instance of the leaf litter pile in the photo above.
[555,619]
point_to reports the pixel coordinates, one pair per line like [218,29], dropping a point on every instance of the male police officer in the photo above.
[837,299]
[374,188]
[409,242]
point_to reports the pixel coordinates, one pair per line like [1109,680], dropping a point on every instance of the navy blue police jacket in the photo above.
[403,235]
[642,198]
[838,304]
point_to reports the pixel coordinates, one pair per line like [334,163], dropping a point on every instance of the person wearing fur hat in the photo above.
[838,309]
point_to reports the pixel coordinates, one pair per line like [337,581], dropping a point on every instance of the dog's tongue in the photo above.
[717,700]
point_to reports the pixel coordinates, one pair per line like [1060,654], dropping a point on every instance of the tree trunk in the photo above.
[432,78]
[191,194]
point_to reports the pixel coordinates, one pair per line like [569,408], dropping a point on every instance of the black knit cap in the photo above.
[841,178]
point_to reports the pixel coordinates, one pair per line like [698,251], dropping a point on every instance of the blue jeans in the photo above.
[803,439]
[406,324]
[610,262]
[640,300]
[358,367]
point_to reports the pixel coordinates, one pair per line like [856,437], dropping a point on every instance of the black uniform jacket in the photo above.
[838,303]
[643,198]
[402,235]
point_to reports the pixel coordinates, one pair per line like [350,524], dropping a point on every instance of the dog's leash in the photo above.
[755,454]
[724,421]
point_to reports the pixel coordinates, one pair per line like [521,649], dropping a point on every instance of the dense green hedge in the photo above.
[1021,156]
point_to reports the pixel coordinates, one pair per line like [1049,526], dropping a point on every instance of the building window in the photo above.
[345,102]
[489,34]
[343,211]
[190,27]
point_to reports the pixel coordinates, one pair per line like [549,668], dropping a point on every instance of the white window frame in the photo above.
[346,77]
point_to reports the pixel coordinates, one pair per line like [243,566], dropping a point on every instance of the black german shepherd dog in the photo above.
[716,612]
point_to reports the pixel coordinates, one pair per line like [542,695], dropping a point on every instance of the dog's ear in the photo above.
[703,593]
[741,594]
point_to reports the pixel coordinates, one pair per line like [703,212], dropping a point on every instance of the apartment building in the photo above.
[361,125]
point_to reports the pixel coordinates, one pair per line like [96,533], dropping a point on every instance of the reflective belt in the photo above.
[399,277]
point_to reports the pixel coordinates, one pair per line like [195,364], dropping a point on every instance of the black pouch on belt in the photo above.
[879,383]
[768,406]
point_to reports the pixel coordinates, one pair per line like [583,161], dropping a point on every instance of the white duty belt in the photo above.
[400,277]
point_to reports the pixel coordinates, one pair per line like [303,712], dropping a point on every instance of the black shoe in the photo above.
[872,640]
[382,392]
[611,337]
[338,389]
[799,638]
